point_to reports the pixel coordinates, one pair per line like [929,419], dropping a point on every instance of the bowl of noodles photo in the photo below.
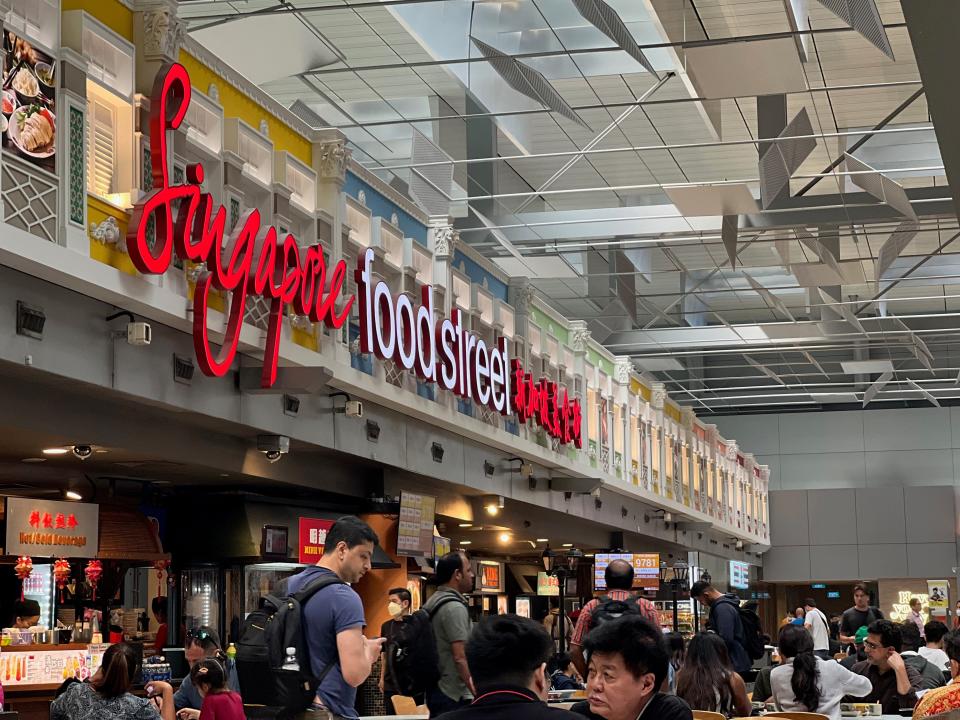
[33,129]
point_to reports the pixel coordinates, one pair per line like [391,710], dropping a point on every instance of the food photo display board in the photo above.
[29,120]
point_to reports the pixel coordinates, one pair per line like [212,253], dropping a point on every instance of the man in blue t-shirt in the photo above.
[334,621]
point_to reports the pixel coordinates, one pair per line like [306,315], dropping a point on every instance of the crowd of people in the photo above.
[505,666]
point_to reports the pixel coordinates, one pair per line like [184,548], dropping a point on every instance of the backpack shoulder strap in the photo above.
[315,586]
[440,603]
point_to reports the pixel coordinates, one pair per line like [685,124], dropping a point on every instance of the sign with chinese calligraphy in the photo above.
[50,528]
[548,585]
[313,536]
[415,534]
[523,607]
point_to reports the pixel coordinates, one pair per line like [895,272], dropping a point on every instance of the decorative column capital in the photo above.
[163,32]
[445,239]
[688,418]
[521,294]
[622,369]
[732,450]
[332,158]
[658,395]
[579,335]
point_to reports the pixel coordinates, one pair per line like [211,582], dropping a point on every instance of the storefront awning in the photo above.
[126,534]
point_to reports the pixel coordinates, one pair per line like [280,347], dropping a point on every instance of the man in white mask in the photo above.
[398,605]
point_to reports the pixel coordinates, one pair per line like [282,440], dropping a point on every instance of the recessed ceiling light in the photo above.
[55,451]
[504,538]
[34,460]
[543,539]
[73,495]
[568,544]
[101,451]
[466,542]
[465,525]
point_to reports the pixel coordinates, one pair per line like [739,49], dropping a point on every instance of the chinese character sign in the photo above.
[313,536]
[50,528]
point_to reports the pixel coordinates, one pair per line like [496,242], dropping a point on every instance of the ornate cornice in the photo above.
[332,159]
[163,33]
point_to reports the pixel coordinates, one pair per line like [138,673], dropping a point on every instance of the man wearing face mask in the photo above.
[398,605]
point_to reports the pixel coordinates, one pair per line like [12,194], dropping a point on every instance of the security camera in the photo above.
[273,447]
[739,545]
[139,333]
[353,408]
[82,452]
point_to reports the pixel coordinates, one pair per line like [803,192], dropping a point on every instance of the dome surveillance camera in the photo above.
[82,451]
[273,447]
[273,455]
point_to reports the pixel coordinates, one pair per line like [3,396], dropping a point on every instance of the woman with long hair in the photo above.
[107,696]
[807,683]
[707,681]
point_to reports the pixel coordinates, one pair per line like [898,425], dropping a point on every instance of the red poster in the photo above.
[313,535]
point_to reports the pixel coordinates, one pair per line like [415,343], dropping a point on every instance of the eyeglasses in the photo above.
[871,645]
[198,636]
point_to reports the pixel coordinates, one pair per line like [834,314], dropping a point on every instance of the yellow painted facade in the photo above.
[237,105]
[112,13]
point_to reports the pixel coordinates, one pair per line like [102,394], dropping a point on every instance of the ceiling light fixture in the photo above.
[568,545]
[72,495]
[465,525]
[543,539]
[466,542]
[34,460]
[504,538]
[55,451]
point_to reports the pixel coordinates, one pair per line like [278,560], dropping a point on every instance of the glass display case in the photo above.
[201,597]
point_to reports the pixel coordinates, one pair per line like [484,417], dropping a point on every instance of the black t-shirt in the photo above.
[854,619]
[660,707]
[386,631]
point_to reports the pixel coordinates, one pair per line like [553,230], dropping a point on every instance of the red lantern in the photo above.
[23,569]
[161,566]
[93,571]
[61,574]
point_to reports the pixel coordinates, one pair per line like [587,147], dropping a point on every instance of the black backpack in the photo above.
[413,665]
[611,609]
[262,650]
[752,634]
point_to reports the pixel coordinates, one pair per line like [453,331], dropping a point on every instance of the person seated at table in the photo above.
[946,698]
[626,667]
[894,683]
[507,656]
[219,703]
[804,682]
[562,673]
[202,644]
[934,632]
[108,695]
[932,676]
[707,681]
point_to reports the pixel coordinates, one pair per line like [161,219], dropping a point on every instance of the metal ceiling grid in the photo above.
[687,278]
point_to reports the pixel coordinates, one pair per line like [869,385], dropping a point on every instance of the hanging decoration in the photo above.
[161,566]
[23,569]
[61,574]
[93,571]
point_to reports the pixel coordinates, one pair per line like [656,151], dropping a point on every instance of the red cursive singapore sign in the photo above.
[255,261]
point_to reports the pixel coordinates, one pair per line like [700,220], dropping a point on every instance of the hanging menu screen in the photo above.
[646,569]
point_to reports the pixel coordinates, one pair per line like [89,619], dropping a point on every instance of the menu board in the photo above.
[739,575]
[415,534]
[49,667]
[646,569]
[29,122]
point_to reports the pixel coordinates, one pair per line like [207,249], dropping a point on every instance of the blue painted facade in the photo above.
[477,274]
[385,208]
